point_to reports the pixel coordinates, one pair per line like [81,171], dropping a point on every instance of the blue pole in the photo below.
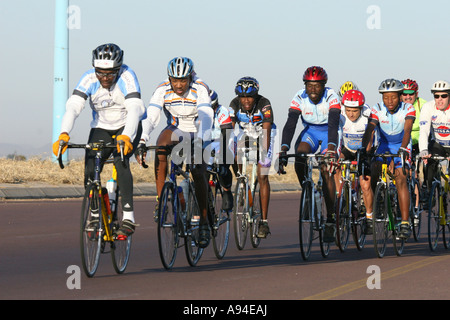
[61,68]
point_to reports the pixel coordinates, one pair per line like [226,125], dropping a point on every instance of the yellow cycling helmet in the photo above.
[349,85]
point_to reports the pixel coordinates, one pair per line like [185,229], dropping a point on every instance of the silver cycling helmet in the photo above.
[180,67]
[390,85]
[107,56]
[440,85]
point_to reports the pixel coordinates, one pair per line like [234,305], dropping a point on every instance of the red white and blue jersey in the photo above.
[391,126]
[435,122]
[222,120]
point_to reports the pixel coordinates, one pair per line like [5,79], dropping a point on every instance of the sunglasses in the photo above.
[408,94]
[106,75]
[443,96]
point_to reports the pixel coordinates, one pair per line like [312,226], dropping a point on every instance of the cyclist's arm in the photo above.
[368,134]
[333,127]
[154,109]
[289,129]
[407,132]
[425,128]
[135,110]
[75,104]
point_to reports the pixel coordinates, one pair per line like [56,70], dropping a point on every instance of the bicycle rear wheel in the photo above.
[90,230]
[380,220]
[220,225]
[192,234]
[167,226]
[305,220]
[256,216]
[433,216]
[240,213]
[120,249]
[343,222]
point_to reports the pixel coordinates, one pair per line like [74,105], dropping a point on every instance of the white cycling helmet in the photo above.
[390,85]
[440,85]
[180,67]
[107,56]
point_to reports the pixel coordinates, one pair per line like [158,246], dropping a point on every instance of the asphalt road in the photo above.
[39,248]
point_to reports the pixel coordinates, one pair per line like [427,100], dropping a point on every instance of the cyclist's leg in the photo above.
[95,135]
[264,195]
[403,198]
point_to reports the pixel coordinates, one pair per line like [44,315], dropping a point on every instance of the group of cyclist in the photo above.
[338,125]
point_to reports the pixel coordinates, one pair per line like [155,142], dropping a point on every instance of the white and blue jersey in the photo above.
[353,131]
[392,127]
[314,118]
[113,108]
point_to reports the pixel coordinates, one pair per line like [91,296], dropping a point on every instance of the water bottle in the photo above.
[111,186]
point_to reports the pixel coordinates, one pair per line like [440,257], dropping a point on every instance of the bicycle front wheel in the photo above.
[167,226]
[120,249]
[256,216]
[240,214]
[220,225]
[380,220]
[434,216]
[343,222]
[397,241]
[305,220]
[90,230]
[192,232]
[359,220]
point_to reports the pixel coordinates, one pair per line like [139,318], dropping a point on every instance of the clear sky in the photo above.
[365,41]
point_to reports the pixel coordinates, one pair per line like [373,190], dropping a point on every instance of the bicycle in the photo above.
[100,218]
[350,213]
[386,209]
[438,218]
[174,221]
[313,210]
[219,219]
[247,206]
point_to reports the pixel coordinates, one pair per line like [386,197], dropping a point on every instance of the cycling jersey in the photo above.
[321,121]
[391,125]
[418,104]
[250,123]
[191,112]
[353,131]
[392,128]
[113,108]
[436,123]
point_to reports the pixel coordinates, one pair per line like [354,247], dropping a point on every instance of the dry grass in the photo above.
[40,171]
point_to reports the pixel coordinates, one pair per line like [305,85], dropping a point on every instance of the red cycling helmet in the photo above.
[409,84]
[315,73]
[353,99]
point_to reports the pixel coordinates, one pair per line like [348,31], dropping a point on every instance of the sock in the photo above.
[128,215]
[369,215]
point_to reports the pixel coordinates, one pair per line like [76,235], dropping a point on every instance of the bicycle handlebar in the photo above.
[91,146]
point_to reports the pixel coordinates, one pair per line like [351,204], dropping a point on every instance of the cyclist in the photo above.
[411,95]
[254,116]
[395,119]
[115,98]
[434,136]
[220,135]
[356,116]
[320,112]
[186,102]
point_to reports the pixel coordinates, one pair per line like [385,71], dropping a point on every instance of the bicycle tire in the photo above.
[398,242]
[434,216]
[445,222]
[343,222]
[380,220]
[359,220]
[192,231]
[240,212]
[220,224]
[120,249]
[167,226]
[305,220]
[90,225]
[255,216]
